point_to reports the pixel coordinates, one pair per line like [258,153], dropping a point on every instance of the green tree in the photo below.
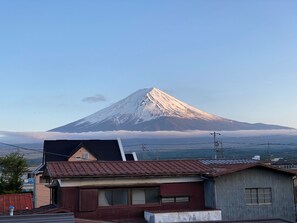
[12,167]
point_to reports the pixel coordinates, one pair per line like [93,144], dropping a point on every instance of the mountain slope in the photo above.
[154,110]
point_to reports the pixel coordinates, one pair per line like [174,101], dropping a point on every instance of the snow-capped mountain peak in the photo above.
[145,105]
[151,109]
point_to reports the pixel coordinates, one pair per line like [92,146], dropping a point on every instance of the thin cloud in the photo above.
[32,137]
[94,99]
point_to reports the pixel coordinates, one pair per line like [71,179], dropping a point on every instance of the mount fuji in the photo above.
[151,109]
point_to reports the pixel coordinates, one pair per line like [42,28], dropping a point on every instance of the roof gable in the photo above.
[61,150]
[78,152]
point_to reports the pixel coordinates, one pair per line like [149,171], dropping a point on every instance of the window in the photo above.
[258,196]
[145,195]
[44,180]
[29,175]
[133,196]
[167,199]
[85,155]
[113,197]
[182,199]
[175,199]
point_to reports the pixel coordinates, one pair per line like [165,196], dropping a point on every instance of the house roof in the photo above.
[253,221]
[125,169]
[227,161]
[61,150]
[19,201]
[129,156]
[225,169]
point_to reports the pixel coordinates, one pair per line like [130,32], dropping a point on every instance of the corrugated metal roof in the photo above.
[19,201]
[220,169]
[125,168]
[253,221]
[228,161]
[38,218]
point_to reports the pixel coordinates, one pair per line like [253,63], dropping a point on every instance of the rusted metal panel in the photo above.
[70,198]
[88,199]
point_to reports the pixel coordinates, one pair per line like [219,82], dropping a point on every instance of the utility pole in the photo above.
[268,152]
[143,150]
[222,149]
[216,143]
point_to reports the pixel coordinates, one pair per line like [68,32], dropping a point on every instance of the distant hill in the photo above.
[154,110]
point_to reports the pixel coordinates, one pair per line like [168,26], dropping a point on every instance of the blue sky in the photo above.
[235,59]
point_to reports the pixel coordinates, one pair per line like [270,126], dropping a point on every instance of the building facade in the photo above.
[251,192]
[125,190]
[72,151]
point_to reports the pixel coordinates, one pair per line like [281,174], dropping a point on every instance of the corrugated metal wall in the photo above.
[209,194]
[230,195]
[38,218]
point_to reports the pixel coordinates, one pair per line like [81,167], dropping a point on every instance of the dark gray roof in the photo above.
[228,161]
[61,150]
[251,221]
[129,157]
[44,218]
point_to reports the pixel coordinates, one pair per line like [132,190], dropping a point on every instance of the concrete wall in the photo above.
[230,195]
[183,216]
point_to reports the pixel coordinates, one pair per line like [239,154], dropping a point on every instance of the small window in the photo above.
[44,180]
[167,199]
[175,199]
[182,199]
[256,196]
[29,175]
[85,155]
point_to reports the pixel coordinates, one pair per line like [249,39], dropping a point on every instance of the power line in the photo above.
[167,144]
[36,150]
[240,145]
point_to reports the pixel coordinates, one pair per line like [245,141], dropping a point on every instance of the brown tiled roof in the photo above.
[221,169]
[19,201]
[125,168]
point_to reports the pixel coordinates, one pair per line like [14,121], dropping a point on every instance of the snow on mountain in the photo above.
[152,109]
[145,105]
